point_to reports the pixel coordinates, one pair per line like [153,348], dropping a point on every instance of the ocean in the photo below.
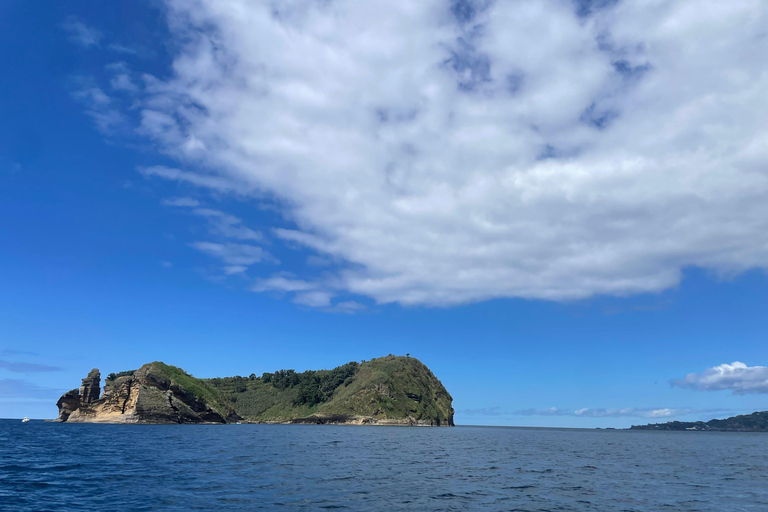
[85,467]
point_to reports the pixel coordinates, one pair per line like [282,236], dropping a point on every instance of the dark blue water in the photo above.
[49,466]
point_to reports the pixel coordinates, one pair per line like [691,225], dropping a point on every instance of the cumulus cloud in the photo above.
[736,377]
[493,149]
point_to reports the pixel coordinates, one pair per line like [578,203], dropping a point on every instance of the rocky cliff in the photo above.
[155,393]
[389,390]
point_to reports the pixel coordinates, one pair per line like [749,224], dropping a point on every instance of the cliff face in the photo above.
[151,394]
[385,391]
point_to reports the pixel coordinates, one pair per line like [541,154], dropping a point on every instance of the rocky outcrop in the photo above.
[148,395]
[67,404]
[339,419]
[90,389]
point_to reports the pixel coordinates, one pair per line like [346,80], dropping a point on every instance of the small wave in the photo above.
[448,496]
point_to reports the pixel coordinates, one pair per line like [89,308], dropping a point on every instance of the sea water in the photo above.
[73,467]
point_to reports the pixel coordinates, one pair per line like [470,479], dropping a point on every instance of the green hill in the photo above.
[755,422]
[389,389]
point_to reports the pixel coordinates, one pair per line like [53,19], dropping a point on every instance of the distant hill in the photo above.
[755,422]
[391,390]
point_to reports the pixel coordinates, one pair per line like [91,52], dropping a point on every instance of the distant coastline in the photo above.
[755,422]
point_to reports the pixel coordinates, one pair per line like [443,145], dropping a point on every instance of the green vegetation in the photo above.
[199,388]
[389,387]
[755,422]
[115,376]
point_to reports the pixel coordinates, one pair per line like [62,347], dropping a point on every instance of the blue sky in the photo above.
[552,206]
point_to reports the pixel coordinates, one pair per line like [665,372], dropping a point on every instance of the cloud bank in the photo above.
[631,412]
[624,412]
[26,367]
[15,388]
[450,153]
[736,377]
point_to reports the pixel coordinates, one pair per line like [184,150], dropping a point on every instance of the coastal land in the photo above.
[391,390]
[755,422]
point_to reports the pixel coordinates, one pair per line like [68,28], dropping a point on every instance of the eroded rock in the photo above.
[90,389]
[67,404]
[143,397]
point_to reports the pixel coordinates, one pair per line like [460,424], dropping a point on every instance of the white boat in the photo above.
[25,420]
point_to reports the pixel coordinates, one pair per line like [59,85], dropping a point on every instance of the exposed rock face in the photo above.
[90,389]
[67,404]
[144,397]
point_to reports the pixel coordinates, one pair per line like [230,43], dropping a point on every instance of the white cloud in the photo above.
[306,293]
[119,48]
[635,412]
[219,223]
[98,105]
[314,299]
[526,153]
[182,201]
[737,377]
[123,82]
[81,33]
[218,183]
[283,284]
[235,255]
[223,224]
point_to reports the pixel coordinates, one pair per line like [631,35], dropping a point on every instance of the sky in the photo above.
[559,206]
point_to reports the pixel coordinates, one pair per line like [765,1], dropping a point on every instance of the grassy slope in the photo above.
[388,387]
[391,387]
[197,387]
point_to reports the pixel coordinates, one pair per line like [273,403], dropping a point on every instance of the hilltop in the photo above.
[392,390]
[755,422]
